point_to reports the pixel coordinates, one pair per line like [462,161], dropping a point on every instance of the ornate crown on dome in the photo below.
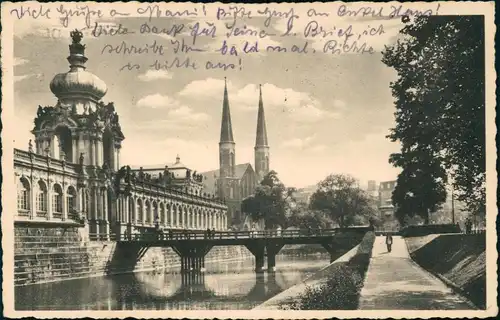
[77,82]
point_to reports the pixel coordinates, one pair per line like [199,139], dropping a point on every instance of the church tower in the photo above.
[80,128]
[261,146]
[227,147]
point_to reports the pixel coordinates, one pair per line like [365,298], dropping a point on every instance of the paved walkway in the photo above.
[394,281]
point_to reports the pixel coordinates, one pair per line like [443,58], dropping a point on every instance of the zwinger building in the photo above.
[72,174]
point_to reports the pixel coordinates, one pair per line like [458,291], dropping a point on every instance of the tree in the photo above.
[421,186]
[302,217]
[270,202]
[440,105]
[341,199]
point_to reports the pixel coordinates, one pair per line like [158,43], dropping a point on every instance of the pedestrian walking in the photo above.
[388,242]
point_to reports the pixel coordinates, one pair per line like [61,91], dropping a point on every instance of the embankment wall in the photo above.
[45,254]
[458,259]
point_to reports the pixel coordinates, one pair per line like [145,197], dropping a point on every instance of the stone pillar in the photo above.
[49,200]
[104,227]
[32,199]
[127,210]
[97,153]
[74,148]
[64,203]
[105,218]
[38,146]
[118,157]
[81,148]
[92,158]
[105,206]
[143,213]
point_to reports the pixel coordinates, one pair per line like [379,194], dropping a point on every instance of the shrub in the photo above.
[343,286]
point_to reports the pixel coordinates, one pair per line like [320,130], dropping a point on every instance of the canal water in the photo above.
[226,285]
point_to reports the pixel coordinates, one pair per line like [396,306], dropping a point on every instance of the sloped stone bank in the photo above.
[458,259]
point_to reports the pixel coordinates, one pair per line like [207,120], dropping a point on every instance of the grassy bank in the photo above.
[459,260]
[343,286]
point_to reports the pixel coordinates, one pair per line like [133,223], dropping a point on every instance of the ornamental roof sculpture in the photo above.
[78,86]
[77,82]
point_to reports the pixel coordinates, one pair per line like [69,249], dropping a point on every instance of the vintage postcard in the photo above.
[238,160]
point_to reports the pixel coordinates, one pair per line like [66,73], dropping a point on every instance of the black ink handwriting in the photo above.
[155,11]
[127,49]
[78,11]
[334,47]
[30,12]
[175,64]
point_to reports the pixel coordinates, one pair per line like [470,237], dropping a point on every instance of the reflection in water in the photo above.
[225,285]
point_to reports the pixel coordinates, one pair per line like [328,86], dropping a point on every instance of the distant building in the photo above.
[385,206]
[385,191]
[304,194]
[372,189]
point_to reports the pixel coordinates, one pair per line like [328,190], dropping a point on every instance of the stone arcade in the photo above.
[72,175]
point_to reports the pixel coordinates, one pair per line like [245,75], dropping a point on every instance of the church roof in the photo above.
[226,130]
[210,177]
[172,165]
[261,137]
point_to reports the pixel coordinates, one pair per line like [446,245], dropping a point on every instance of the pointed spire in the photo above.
[261,139]
[226,130]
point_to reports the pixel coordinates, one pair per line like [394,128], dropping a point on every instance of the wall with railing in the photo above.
[44,254]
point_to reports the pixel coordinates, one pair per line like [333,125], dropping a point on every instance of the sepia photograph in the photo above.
[238,160]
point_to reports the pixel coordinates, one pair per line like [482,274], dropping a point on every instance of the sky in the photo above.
[325,113]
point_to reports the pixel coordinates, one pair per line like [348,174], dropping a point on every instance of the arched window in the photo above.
[139,210]
[63,142]
[23,196]
[57,198]
[71,202]
[163,219]
[148,211]
[190,220]
[168,215]
[174,222]
[41,199]
[156,217]
[181,216]
[108,148]
[131,208]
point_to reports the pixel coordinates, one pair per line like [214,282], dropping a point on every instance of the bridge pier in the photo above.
[272,249]
[192,255]
[331,250]
[257,248]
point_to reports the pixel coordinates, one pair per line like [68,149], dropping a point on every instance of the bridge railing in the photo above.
[199,235]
